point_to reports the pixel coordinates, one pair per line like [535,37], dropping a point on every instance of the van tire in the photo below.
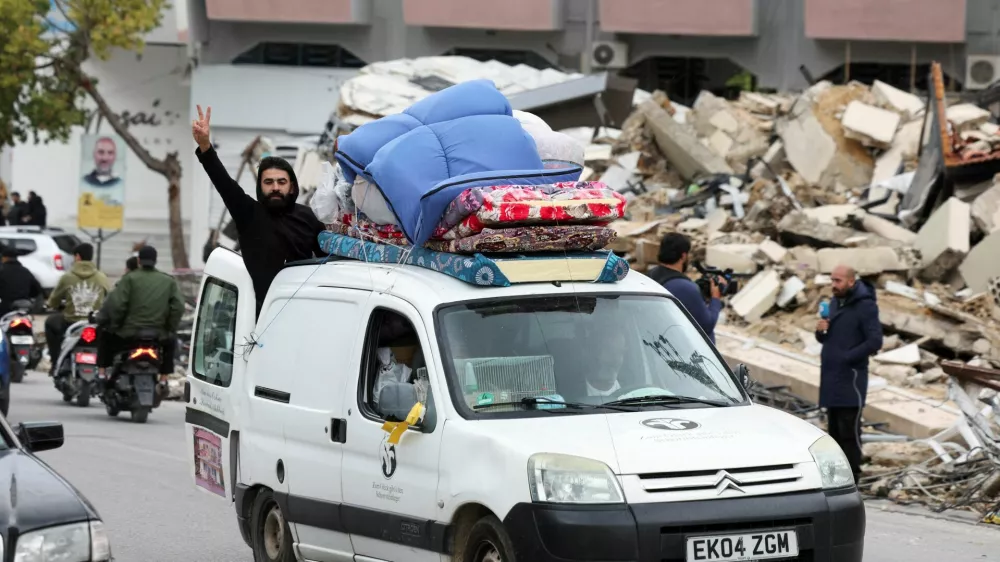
[488,541]
[269,531]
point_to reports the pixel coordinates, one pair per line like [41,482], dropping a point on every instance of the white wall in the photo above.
[282,103]
[151,84]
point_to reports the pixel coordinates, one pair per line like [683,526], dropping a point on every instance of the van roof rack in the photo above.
[494,270]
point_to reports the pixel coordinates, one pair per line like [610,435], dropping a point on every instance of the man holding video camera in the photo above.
[673,258]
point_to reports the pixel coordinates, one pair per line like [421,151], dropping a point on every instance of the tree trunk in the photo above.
[177,249]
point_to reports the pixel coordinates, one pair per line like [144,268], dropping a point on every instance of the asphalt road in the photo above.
[137,477]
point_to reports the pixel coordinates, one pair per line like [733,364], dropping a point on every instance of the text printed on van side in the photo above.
[388,492]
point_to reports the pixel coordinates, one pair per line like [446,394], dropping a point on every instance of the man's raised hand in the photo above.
[200,129]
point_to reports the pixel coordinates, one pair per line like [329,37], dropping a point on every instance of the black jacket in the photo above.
[268,237]
[16,283]
[37,211]
[854,334]
[16,213]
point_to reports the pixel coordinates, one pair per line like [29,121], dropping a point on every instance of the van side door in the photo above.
[225,315]
[390,489]
[322,354]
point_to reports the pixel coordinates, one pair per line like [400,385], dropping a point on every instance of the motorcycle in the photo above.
[21,345]
[76,368]
[131,383]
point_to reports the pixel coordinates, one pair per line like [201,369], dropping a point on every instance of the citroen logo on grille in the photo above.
[725,481]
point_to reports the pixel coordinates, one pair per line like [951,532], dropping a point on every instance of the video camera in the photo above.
[724,279]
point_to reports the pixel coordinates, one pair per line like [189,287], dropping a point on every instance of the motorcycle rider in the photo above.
[16,282]
[81,290]
[144,298]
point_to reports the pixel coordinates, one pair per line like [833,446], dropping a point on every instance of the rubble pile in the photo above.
[780,189]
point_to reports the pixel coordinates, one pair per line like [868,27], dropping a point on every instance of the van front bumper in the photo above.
[830,527]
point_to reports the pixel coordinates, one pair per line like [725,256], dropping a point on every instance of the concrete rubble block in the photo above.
[887,229]
[618,178]
[966,116]
[865,261]
[790,289]
[646,251]
[716,220]
[692,225]
[906,355]
[738,257]
[808,147]
[759,104]
[943,241]
[597,152]
[802,260]
[680,145]
[905,103]
[869,125]
[774,157]
[758,296]
[800,227]
[724,121]
[774,252]
[831,214]
[986,209]
[721,143]
[982,263]
[894,373]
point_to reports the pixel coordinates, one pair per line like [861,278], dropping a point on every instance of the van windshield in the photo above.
[612,352]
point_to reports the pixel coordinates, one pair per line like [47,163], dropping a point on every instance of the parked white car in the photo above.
[46,252]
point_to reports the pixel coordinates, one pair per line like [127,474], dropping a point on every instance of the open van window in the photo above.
[592,350]
[395,371]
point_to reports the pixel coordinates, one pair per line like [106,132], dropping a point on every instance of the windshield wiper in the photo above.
[660,400]
[532,403]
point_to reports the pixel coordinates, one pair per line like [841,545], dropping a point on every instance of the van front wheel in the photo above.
[272,539]
[488,542]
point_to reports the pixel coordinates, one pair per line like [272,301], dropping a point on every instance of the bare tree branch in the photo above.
[116,123]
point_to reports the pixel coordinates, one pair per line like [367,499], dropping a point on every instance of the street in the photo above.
[137,477]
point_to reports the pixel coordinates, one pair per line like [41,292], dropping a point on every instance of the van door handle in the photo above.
[338,430]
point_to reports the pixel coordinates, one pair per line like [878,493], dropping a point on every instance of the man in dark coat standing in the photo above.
[850,335]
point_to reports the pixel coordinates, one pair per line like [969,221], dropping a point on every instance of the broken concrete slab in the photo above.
[869,125]
[798,227]
[724,121]
[720,142]
[773,157]
[943,241]
[904,147]
[905,103]
[808,147]
[790,290]
[758,296]
[966,116]
[887,229]
[716,220]
[986,209]
[774,252]
[759,104]
[597,152]
[865,261]
[982,263]
[830,214]
[681,147]
[738,257]
[906,355]
[802,260]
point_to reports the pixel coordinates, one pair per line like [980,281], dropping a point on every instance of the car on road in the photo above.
[46,252]
[42,516]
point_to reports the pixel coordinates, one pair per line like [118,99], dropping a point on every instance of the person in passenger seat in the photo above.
[604,369]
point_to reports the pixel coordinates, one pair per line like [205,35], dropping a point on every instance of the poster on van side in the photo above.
[208,462]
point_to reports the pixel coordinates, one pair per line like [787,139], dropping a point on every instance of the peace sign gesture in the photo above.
[200,129]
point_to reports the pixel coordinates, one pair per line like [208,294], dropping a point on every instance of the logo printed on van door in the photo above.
[672,424]
[387,455]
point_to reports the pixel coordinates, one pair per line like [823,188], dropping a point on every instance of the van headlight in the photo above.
[568,479]
[834,470]
[78,542]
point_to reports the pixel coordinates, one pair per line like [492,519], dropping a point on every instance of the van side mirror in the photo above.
[743,373]
[395,400]
[40,436]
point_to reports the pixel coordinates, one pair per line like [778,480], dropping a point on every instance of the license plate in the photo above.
[86,358]
[750,546]
[22,340]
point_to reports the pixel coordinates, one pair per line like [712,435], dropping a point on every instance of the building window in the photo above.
[300,54]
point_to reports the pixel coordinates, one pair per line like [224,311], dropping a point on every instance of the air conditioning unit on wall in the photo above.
[609,54]
[981,71]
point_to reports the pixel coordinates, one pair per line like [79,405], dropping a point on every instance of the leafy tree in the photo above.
[44,87]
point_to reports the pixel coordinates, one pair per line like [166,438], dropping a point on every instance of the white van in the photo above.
[560,421]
